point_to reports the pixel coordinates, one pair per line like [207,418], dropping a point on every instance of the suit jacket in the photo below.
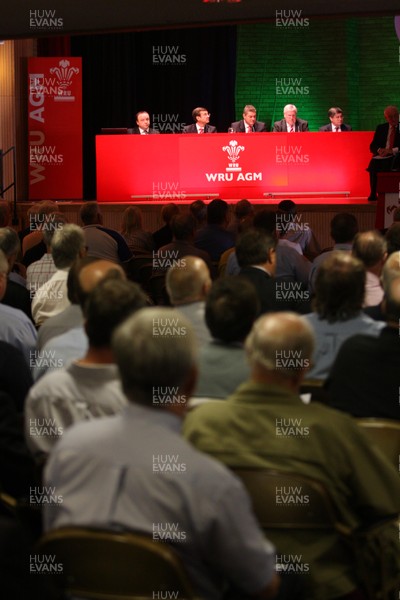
[300,125]
[239,127]
[136,131]
[328,127]
[380,137]
[193,129]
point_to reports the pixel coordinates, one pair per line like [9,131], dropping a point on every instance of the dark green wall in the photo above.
[351,63]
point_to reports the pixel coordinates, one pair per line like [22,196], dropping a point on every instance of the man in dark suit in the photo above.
[336,124]
[201,118]
[385,148]
[290,123]
[142,124]
[248,124]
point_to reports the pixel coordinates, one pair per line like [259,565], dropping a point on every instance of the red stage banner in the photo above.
[55,128]
[232,166]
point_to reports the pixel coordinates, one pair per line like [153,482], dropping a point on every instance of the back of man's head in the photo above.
[344,227]
[370,247]
[188,282]
[266,221]
[280,345]
[198,209]
[183,226]
[40,212]
[168,211]
[393,238]
[111,302]
[151,356]
[67,244]
[232,305]
[243,209]
[89,213]
[88,272]
[217,212]
[254,248]
[339,287]
[391,302]
[9,243]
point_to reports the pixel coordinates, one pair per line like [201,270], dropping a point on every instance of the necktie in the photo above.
[291,130]
[201,129]
[145,132]
[391,137]
[337,129]
[249,129]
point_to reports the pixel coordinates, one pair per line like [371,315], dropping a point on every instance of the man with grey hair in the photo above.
[15,327]
[290,122]
[265,425]
[188,285]
[150,479]
[16,294]
[68,244]
[371,248]
[248,124]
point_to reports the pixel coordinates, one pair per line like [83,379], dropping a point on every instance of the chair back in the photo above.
[385,434]
[105,565]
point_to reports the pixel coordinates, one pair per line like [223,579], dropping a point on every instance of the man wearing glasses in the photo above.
[201,118]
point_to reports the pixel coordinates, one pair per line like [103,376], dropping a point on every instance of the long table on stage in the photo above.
[177,167]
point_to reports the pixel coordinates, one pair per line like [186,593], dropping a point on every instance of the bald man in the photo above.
[63,337]
[264,424]
[188,285]
[89,387]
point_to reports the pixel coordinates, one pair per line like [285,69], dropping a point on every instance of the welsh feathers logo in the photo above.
[233,151]
[64,73]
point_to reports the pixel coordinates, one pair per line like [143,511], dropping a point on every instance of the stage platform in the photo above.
[317,212]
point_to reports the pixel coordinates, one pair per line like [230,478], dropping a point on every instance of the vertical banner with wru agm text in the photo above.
[55,128]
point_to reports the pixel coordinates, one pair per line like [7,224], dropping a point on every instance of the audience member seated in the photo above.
[364,379]
[15,375]
[198,210]
[214,237]
[15,327]
[242,211]
[292,228]
[139,241]
[102,242]
[183,229]
[88,387]
[339,294]
[187,287]
[16,294]
[73,344]
[40,271]
[72,315]
[344,228]
[33,245]
[163,236]
[392,237]
[264,424]
[231,308]
[290,265]
[370,247]
[391,269]
[151,477]
[51,298]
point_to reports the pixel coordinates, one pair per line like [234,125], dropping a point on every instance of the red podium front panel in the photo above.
[173,167]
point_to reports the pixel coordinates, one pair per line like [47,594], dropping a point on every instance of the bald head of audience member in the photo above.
[339,287]
[149,362]
[189,282]
[88,273]
[371,248]
[279,349]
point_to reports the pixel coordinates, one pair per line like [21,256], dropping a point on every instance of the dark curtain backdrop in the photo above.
[167,73]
